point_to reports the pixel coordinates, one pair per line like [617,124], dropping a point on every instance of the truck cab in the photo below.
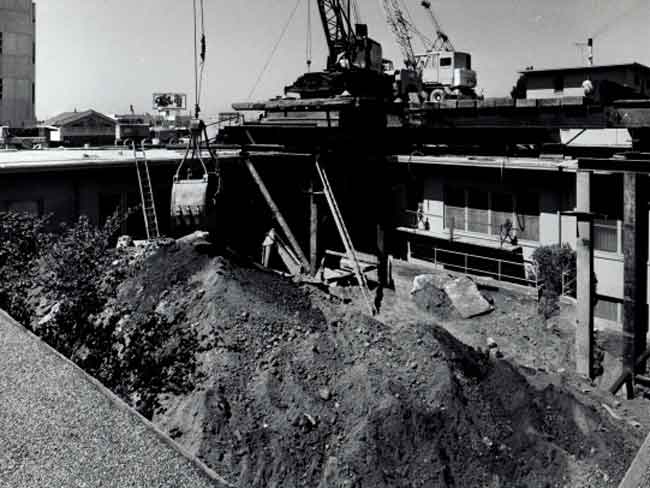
[446,72]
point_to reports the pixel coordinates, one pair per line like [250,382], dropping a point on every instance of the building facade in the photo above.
[17,63]
[462,213]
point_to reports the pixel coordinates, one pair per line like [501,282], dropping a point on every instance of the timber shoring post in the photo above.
[276,212]
[585,266]
[313,226]
[634,270]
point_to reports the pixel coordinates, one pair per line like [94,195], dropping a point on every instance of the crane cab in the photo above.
[447,72]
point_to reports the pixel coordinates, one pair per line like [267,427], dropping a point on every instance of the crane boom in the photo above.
[442,42]
[402,29]
[337,26]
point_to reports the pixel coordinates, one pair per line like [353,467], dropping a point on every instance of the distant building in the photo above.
[79,128]
[17,62]
[602,82]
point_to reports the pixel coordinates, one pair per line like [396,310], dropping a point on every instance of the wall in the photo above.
[17,69]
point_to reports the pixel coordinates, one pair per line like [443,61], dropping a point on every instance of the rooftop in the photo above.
[60,427]
[597,67]
[85,158]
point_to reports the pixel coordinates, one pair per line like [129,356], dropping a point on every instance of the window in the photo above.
[527,216]
[455,208]
[606,235]
[25,206]
[558,84]
[502,211]
[445,61]
[33,93]
[607,309]
[1,39]
[484,212]
[33,13]
[33,53]
[478,204]
[1,88]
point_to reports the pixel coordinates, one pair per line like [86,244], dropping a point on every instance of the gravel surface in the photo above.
[638,475]
[58,428]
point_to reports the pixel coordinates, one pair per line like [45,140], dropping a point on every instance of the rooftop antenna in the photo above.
[586,51]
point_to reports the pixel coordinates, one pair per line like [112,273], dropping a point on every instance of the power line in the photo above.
[275,47]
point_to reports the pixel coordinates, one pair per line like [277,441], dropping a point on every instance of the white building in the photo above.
[17,62]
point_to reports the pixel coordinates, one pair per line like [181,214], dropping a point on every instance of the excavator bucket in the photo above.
[192,203]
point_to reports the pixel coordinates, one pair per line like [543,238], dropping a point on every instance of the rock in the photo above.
[124,242]
[466,298]
[428,293]
[51,315]
[491,343]
[325,393]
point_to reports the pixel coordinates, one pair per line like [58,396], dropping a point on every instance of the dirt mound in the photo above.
[302,392]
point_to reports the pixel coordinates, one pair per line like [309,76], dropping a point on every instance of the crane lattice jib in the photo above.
[402,29]
[337,25]
[442,42]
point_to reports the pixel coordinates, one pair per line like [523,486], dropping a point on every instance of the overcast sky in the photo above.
[108,54]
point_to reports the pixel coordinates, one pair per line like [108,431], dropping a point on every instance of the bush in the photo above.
[555,264]
[23,238]
[78,270]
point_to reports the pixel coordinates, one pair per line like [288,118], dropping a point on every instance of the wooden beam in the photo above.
[313,227]
[585,266]
[635,245]
[277,214]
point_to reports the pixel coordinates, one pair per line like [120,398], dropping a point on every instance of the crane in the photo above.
[354,63]
[441,71]
[442,42]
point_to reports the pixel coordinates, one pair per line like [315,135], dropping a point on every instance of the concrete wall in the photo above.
[94,193]
[17,69]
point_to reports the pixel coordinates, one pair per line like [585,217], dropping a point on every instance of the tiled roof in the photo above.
[65,118]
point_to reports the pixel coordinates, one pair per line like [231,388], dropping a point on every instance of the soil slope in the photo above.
[300,390]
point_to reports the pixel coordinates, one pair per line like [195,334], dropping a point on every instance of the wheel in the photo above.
[437,95]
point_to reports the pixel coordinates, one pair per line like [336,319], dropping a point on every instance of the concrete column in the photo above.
[585,265]
[635,245]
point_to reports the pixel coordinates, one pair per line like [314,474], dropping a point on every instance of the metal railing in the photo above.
[521,272]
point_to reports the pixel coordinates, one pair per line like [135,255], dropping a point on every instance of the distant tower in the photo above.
[17,63]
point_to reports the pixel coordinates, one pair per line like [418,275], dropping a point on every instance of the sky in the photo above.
[110,54]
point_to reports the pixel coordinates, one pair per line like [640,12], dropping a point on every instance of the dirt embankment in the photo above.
[302,391]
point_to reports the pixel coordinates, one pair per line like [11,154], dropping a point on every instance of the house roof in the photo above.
[598,67]
[61,427]
[66,118]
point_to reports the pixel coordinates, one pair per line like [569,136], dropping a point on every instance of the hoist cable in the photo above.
[275,48]
[202,55]
[308,47]
[196,68]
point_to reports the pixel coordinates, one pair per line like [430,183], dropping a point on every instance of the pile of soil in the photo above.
[301,390]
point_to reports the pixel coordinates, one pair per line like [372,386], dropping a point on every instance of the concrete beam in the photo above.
[585,289]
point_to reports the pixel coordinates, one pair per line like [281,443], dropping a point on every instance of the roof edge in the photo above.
[120,404]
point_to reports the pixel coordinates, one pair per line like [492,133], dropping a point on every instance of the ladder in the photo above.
[146,193]
[345,237]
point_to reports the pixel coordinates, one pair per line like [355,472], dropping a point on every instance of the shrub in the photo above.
[78,270]
[23,238]
[556,264]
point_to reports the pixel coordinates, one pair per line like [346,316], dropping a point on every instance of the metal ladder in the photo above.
[345,237]
[146,193]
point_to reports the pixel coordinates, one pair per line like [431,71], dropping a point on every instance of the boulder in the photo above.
[466,297]
[429,295]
